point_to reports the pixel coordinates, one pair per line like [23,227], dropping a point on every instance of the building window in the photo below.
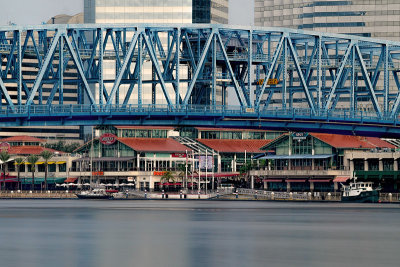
[62,167]
[358,164]
[373,165]
[302,147]
[388,164]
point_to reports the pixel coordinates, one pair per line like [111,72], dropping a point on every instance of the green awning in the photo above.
[40,180]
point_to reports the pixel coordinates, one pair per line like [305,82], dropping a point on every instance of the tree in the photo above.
[4,158]
[167,176]
[18,162]
[33,159]
[46,155]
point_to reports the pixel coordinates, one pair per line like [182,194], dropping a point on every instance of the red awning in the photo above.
[70,180]
[296,180]
[171,184]
[320,180]
[273,180]
[216,175]
[341,179]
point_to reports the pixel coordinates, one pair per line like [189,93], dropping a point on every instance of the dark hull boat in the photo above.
[363,197]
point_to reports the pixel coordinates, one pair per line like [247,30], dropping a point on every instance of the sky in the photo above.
[24,12]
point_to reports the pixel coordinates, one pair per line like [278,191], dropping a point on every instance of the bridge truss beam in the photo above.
[258,71]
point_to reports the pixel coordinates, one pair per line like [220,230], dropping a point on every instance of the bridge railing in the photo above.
[218,110]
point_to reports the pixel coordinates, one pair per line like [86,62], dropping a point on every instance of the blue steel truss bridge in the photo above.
[198,75]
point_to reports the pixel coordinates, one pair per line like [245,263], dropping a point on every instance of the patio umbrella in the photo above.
[122,184]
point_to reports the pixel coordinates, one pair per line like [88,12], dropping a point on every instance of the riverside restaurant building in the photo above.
[139,156]
[21,174]
[321,162]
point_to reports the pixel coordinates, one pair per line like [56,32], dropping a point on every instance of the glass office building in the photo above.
[369,18]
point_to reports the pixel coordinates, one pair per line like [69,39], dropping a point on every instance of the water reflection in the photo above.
[190,233]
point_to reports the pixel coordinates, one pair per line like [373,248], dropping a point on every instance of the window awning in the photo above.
[295,180]
[320,180]
[70,180]
[104,159]
[341,179]
[272,180]
[61,162]
[324,156]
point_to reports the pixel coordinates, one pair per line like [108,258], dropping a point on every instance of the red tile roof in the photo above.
[146,127]
[231,129]
[28,150]
[350,141]
[154,144]
[234,145]
[22,138]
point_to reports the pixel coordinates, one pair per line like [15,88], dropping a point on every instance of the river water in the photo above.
[197,233]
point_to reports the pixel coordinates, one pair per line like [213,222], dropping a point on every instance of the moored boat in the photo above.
[97,193]
[362,192]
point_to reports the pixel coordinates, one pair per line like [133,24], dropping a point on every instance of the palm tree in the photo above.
[4,157]
[18,162]
[167,176]
[33,159]
[46,155]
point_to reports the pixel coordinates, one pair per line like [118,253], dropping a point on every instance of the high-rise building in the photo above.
[156,11]
[368,18]
[153,11]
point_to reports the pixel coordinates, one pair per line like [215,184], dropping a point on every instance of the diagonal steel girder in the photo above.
[368,82]
[43,68]
[198,68]
[156,64]
[122,70]
[301,76]
[337,78]
[271,69]
[240,91]
[80,69]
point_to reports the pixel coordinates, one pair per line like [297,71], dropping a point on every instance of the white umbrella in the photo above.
[116,185]
[63,185]
[129,184]
[109,184]
[71,184]
[122,184]
[58,185]
[102,184]
[86,184]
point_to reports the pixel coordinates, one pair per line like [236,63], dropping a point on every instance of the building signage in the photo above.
[299,136]
[269,82]
[158,173]
[131,179]
[108,139]
[4,146]
[178,155]
[97,173]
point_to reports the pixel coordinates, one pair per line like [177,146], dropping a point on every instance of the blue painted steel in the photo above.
[321,81]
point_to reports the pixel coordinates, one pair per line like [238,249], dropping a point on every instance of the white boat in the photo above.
[360,192]
[97,193]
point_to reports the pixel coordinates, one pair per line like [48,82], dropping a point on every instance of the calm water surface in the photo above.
[197,233]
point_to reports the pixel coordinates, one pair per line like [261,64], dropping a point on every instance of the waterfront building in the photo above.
[140,155]
[320,162]
[24,146]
